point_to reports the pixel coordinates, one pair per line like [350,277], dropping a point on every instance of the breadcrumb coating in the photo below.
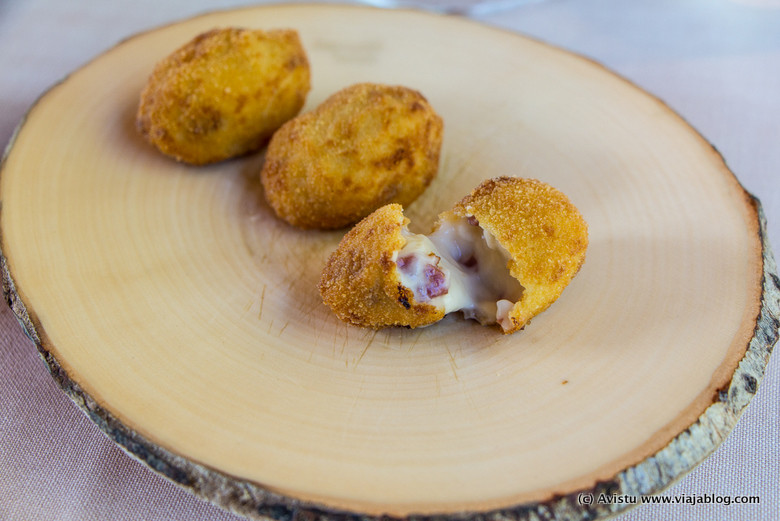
[544,233]
[224,93]
[365,146]
[360,282]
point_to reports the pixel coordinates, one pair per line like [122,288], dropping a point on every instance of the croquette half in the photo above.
[360,282]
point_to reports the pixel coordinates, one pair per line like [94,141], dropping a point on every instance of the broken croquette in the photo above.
[360,283]
[502,255]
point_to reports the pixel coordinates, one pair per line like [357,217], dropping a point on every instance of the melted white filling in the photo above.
[460,267]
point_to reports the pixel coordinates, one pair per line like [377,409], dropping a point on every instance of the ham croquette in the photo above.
[502,255]
[224,93]
[366,146]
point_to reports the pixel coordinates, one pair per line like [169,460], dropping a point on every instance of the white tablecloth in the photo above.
[716,62]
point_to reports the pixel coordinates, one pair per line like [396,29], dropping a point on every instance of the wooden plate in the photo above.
[185,319]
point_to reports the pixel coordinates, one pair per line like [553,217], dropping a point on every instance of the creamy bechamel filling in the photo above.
[459,267]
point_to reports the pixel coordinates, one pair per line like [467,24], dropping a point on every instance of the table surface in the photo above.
[716,62]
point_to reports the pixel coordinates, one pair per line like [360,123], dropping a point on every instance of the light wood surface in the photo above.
[185,318]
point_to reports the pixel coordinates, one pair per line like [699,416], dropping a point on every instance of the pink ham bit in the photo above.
[406,263]
[435,281]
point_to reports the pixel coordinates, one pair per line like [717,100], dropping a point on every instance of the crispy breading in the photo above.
[365,146]
[360,282]
[224,93]
[542,230]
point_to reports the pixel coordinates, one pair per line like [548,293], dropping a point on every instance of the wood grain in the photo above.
[184,318]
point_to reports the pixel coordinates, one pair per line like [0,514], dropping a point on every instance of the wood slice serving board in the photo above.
[185,319]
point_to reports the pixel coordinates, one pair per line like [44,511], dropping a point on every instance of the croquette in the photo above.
[365,146]
[501,255]
[224,93]
[360,280]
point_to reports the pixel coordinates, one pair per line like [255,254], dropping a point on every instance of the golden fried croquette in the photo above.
[366,146]
[541,230]
[502,255]
[224,93]
[360,283]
